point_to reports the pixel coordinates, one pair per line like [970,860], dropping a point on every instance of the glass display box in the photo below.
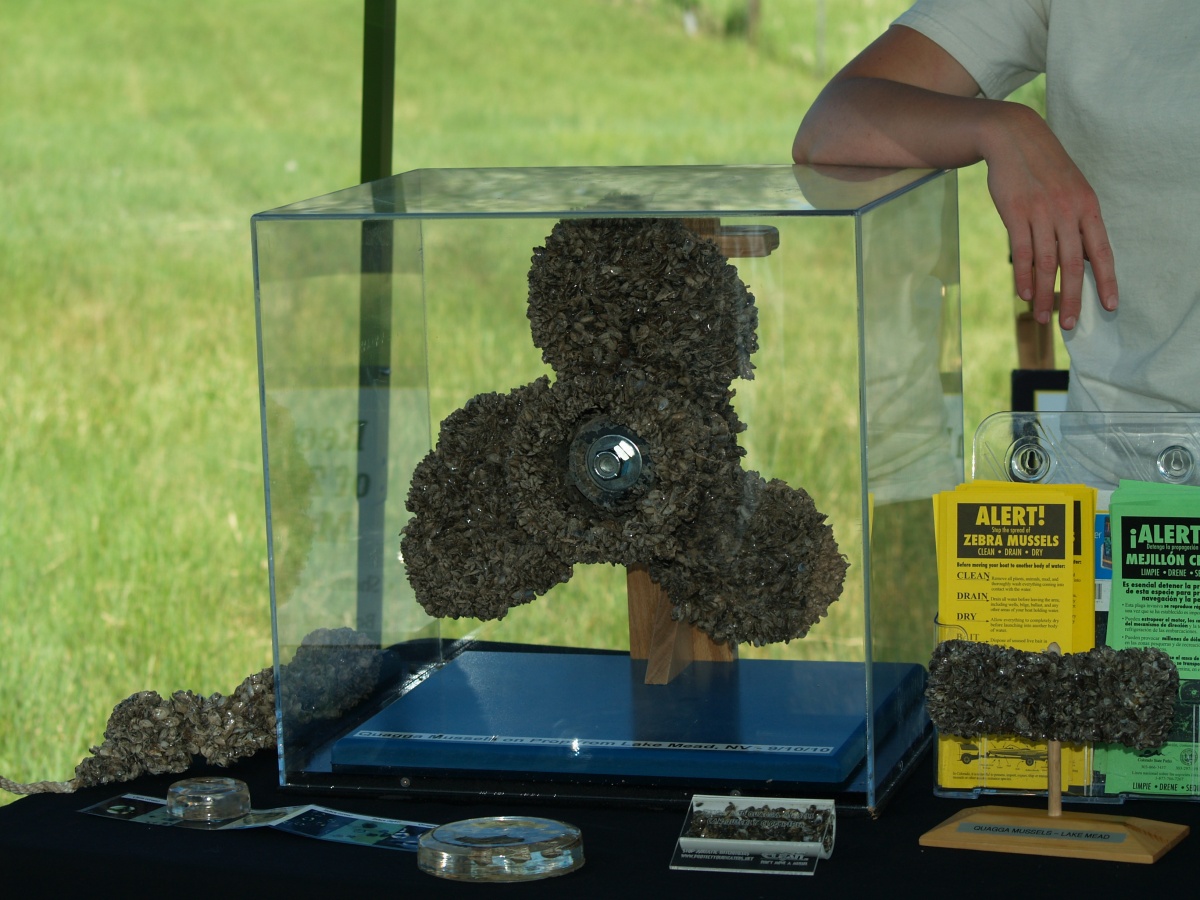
[609,483]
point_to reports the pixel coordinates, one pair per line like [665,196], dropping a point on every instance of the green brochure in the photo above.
[1156,603]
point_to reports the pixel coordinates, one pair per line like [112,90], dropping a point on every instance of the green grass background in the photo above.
[137,139]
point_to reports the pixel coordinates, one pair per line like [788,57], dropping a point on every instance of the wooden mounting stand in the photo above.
[736,241]
[668,646]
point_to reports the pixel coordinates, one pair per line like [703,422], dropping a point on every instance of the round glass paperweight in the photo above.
[210,800]
[501,848]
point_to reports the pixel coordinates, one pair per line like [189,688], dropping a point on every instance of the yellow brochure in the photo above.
[1006,564]
[1007,560]
[1083,553]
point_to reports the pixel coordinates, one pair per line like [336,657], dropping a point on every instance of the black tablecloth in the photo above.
[47,843]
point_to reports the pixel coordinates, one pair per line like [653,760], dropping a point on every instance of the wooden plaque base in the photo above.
[1003,829]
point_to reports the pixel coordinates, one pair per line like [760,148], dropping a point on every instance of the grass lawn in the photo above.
[139,138]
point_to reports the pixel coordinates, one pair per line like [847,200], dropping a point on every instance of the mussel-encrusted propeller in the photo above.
[629,456]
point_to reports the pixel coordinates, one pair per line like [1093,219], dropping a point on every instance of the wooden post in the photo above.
[668,646]
[1054,779]
[1054,762]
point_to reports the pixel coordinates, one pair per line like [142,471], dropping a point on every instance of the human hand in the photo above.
[1051,213]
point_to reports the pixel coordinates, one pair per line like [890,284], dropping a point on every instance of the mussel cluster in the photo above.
[1119,696]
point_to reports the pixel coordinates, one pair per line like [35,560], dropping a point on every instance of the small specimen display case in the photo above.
[608,482]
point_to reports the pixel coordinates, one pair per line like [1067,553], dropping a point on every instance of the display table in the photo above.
[54,849]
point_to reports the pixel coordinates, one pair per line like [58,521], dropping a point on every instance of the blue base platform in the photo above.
[584,714]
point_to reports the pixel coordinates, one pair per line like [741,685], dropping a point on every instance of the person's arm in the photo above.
[904,101]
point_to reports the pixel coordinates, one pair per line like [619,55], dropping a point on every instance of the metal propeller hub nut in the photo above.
[606,465]
[614,461]
[606,460]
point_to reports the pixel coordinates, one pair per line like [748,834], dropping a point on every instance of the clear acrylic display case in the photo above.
[1094,448]
[1102,449]
[385,308]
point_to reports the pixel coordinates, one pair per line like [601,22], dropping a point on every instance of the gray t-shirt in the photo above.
[1123,96]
